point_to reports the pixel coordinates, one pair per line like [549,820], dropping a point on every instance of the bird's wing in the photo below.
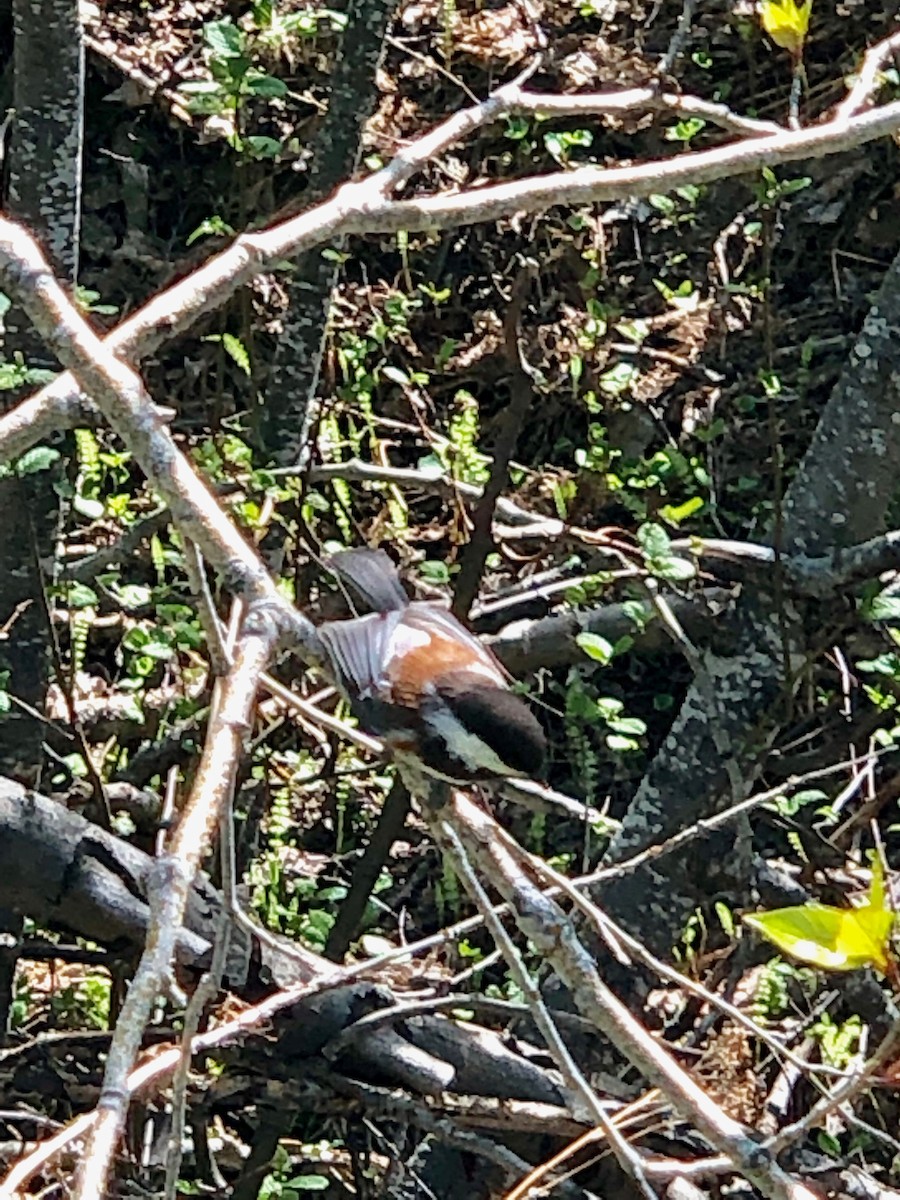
[356,649]
[452,645]
[371,577]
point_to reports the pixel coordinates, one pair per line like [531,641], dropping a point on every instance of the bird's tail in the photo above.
[371,579]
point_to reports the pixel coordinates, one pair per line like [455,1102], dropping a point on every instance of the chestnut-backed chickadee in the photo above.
[416,678]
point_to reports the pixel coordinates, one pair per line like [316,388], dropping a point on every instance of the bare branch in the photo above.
[522,395]
[173,876]
[547,927]
[366,207]
[123,399]
[641,99]
[551,641]
[448,838]
[843,566]
[867,81]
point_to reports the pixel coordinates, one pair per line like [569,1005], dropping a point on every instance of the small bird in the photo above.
[418,679]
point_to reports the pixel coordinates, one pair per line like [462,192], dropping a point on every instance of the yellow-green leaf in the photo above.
[835,939]
[786,23]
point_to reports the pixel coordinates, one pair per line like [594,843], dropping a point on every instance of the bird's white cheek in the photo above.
[466,746]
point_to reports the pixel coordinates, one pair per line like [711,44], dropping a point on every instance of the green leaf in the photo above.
[684,131]
[834,939]
[76,765]
[676,513]
[263,11]
[337,892]
[38,376]
[395,375]
[159,650]
[595,647]
[829,1144]
[654,541]
[237,351]
[131,710]
[133,595]
[223,38]
[618,379]
[204,98]
[885,664]
[200,87]
[434,571]
[621,744]
[93,510]
[726,917]
[630,726]
[258,83]
[79,595]
[789,806]
[263,147]
[795,185]
[883,607]
[662,203]
[636,330]
[639,612]
[675,569]
[516,127]
[307,23]
[40,458]
[211,227]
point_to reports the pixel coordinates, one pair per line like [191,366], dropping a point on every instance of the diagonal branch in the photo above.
[173,876]
[367,207]
[123,399]
[549,930]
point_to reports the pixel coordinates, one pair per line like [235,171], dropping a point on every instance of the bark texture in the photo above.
[718,743]
[45,193]
[290,412]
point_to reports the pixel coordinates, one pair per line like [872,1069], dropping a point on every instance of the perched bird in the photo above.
[416,678]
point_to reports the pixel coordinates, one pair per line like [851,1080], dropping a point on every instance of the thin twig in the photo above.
[868,80]
[205,993]
[841,1095]
[628,1159]
[678,39]
[354,470]
[552,935]
[521,388]
[221,650]
[87,568]
[797,80]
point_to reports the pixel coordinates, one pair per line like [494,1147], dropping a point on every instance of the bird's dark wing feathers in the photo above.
[371,578]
